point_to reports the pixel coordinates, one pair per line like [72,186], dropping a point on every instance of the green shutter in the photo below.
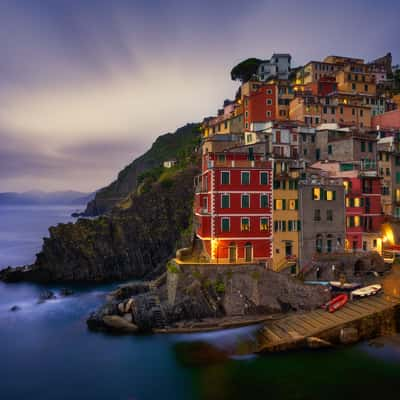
[264,178]
[290,226]
[225,201]
[296,204]
[397,177]
[284,204]
[264,201]
[245,201]
[299,225]
[225,178]
[334,195]
[225,225]
[274,204]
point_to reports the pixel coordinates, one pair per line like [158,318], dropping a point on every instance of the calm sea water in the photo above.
[46,352]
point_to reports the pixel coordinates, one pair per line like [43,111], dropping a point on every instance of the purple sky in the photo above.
[86,86]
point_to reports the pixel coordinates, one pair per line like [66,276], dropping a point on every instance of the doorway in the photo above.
[232,252]
[248,252]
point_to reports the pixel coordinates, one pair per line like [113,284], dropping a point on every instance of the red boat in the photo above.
[337,302]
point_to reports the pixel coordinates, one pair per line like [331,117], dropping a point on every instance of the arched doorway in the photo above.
[232,249]
[248,252]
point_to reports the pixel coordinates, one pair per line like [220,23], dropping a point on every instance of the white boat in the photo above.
[367,291]
[345,286]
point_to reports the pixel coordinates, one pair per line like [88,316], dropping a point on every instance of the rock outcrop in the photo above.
[195,294]
[134,242]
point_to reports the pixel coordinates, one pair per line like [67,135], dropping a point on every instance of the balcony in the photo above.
[237,164]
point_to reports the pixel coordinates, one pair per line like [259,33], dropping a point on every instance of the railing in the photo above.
[237,164]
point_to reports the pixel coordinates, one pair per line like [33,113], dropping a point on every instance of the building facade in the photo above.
[233,207]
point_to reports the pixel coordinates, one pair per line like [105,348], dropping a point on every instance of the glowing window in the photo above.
[357,202]
[278,204]
[356,220]
[330,195]
[316,192]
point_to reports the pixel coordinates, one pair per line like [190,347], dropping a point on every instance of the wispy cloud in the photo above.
[79,79]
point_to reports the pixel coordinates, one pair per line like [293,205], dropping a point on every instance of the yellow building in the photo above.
[355,82]
[286,222]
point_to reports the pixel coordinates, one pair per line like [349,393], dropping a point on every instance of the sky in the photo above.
[86,86]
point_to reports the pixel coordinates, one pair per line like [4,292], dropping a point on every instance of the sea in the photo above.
[47,353]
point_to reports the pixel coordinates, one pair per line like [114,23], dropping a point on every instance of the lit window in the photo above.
[278,204]
[356,220]
[316,192]
[293,204]
[347,202]
[357,202]
[245,225]
[263,224]
[330,195]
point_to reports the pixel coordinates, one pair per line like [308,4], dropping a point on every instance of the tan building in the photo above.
[286,223]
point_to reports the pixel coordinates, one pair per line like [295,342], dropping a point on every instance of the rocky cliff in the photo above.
[132,242]
[169,146]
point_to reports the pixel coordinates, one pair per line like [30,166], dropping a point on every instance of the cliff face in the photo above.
[134,242]
[166,147]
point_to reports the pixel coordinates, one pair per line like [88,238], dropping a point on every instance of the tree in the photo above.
[245,69]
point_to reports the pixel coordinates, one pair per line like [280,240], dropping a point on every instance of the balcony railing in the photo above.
[236,164]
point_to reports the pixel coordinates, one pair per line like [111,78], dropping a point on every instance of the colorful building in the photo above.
[233,207]
[260,105]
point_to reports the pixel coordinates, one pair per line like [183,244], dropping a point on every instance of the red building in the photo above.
[387,120]
[364,216]
[260,105]
[233,207]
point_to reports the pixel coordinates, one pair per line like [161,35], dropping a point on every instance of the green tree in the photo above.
[245,69]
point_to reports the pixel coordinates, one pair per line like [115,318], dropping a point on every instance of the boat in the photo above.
[367,291]
[336,303]
[322,283]
[336,285]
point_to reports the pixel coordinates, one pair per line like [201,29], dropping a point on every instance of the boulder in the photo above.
[46,295]
[127,317]
[349,335]
[128,305]
[119,324]
[121,308]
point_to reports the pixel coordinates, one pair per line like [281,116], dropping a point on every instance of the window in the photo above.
[361,113]
[221,157]
[264,178]
[318,244]
[245,201]
[317,215]
[329,215]
[205,203]
[269,113]
[387,171]
[225,178]
[225,201]
[370,147]
[245,225]
[366,88]
[353,86]
[280,204]
[293,204]
[269,102]
[316,194]
[263,224]
[330,195]
[330,149]
[245,178]
[363,148]
[264,201]
[225,224]
[398,177]
[269,91]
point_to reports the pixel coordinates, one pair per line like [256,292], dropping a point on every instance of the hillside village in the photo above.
[301,171]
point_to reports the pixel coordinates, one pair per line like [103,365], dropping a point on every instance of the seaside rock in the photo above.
[66,292]
[15,308]
[119,324]
[127,317]
[128,305]
[121,308]
[348,335]
[46,295]
[317,343]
